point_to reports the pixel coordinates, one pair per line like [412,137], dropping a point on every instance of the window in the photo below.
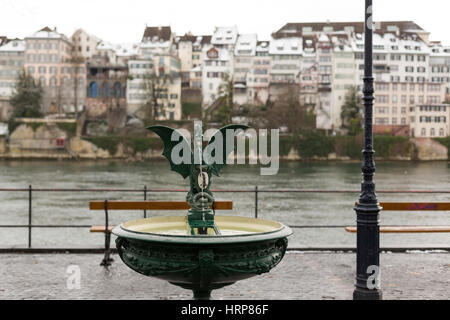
[93,90]
[382,99]
[432,132]
[403,110]
[403,121]
[42,70]
[424,132]
[421,58]
[411,99]
[30,70]
[441,132]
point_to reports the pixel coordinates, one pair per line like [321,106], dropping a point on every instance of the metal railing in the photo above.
[145,191]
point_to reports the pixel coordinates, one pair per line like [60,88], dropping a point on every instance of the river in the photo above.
[289,208]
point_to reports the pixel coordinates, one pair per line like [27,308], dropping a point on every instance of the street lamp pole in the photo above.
[367,285]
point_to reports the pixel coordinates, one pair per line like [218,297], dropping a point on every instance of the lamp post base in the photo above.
[361,294]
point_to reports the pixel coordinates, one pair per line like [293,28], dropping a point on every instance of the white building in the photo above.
[12,59]
[258,80]
[286,54]
[439,69]
[244,53]
[430,121]
[217,63]
[162,73]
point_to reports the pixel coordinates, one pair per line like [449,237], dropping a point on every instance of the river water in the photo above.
[289,208]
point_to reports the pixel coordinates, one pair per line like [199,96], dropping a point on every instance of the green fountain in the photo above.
[200,251]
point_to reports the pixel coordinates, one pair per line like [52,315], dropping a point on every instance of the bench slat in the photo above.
[100,229]
[152,205]
[414,206]
[400,229]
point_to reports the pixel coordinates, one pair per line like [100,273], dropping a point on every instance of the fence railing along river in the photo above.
[336,237]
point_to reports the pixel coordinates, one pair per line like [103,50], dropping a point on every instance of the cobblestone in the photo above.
[299,276]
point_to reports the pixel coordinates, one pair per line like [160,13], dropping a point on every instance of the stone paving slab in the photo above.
[300,276]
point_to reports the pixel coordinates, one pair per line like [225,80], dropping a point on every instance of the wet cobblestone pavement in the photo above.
[299,276]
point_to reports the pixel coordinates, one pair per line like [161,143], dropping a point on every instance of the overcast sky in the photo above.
[124,20]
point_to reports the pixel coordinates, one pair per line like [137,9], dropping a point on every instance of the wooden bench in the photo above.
[107,206]
[411,206]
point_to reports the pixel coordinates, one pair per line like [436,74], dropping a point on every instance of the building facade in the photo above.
[49,60]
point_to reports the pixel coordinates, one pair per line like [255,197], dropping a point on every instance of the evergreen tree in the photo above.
[351,113]
[27,98]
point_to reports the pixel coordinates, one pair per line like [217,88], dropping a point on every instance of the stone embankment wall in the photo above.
[40,141]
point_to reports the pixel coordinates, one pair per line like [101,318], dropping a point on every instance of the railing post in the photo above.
[256,202]
[145,199]
[29,214]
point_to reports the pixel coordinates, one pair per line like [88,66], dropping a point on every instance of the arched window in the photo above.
[116,89]
[93,90]
[53,81]
[105,92]
[441,132]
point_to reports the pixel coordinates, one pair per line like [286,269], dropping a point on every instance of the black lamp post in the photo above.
[367,285]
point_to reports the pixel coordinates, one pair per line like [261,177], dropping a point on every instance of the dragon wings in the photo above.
[175,142]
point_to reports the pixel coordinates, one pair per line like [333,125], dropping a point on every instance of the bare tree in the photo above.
[156,88]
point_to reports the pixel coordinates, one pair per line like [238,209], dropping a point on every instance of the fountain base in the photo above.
[202,263]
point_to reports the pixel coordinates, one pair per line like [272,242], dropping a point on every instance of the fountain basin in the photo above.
[162,247]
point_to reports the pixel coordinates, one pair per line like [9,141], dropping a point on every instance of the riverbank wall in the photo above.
[62,141]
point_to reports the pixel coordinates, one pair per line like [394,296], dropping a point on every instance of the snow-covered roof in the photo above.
[127,49]
[246,45]
[47,33]
[293,46]
[263,46]
[225,35]
[197,69]
[389,43]
[13,46]
[124,49]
